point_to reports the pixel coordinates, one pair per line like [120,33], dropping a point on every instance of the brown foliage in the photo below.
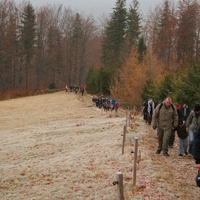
[12,94]
[172,31]
[131,78]
[22,93]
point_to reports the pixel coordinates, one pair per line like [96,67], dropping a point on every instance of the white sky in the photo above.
[96,8]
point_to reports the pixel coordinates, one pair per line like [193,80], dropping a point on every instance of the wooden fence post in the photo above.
[120,187]
[124,139]
[126,116]
[135,161]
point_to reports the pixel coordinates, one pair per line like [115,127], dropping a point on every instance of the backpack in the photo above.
[145,104]
[116,105]
[198,178]
[161,104]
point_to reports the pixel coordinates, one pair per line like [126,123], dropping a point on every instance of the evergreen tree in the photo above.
[149,91]
[113,41]
[97,81]
[141,48]
[77,34]
[27,37]
[166,87]
[92,81]
[133,25]
[188,87]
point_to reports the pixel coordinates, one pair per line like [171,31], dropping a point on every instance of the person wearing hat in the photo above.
[192,123]
[183,138]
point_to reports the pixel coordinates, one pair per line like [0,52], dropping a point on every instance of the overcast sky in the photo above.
[96,8]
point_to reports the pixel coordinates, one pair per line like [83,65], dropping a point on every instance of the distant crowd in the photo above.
[108,104]
[75,89]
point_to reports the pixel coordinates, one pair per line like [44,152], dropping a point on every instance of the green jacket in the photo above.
[165,117]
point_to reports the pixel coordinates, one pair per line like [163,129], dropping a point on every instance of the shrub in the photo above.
[52,86]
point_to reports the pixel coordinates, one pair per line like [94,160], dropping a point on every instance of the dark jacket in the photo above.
[196,146]
[184,113]
[181,131]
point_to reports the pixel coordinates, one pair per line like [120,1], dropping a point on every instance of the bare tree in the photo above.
[8,44]
[187,29]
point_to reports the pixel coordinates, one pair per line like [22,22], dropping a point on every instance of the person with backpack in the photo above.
[165,119]
[192,123]
[116,106]
[144,110]
[81,90]
[148,109]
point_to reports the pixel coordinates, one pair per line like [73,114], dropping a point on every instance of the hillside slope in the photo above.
[60,146]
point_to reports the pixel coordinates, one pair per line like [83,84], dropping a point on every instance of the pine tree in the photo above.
[27,38]
[113,41]
[141,48]
[77,34]
[133,25]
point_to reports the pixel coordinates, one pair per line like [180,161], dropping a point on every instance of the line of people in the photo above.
[74,88]
[168,119]
[106,103]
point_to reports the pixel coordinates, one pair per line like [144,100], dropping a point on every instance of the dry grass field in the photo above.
[60,146]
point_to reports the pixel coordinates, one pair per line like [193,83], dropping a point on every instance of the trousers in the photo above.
[183,144]
[163,139]
[191,140]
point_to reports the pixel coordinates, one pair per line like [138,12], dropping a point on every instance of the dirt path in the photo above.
[60,146]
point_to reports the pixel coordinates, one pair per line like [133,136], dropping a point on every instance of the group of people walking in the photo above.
[74,88]
[167,119]
[108,104]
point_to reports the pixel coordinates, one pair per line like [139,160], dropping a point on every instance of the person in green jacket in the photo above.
[165,119]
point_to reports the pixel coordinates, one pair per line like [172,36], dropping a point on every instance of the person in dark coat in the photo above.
[183,138]
[148,108]
[82,90]
[184,112]
[192,122]
[196,148]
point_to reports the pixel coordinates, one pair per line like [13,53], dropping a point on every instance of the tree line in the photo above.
[50,46]
[128,56]
[152,58]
